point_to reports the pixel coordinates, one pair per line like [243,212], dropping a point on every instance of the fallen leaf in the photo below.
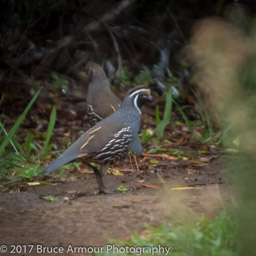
[116,172]
[85,170]
[34,183]
[153,161]
[204,152]
[191,171]
[183,158]
[50,198]
[179,123]
[122,188]
[149,131]
[67,134]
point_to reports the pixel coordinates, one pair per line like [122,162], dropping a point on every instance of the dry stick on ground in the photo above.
[161,155]
[137,167]
[136,163]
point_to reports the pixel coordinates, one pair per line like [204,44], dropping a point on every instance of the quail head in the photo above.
[101,102]
[109,140]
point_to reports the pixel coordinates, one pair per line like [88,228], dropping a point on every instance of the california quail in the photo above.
[109,140]
[101,102]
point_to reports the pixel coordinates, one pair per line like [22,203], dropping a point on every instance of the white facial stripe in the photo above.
[135,103]
[138,91]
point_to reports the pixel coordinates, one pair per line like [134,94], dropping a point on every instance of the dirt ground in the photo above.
[82,218]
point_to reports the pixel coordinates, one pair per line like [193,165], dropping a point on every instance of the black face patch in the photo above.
[142,99]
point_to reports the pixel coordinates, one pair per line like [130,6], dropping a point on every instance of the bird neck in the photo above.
[131,111]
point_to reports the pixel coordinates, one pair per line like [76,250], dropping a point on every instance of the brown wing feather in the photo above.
[91,142]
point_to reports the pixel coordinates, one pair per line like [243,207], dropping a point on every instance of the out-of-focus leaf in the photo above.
[204,152]
[34,183]
[191,171]
[50,198]
[116,172]
[85,170]
[122,188]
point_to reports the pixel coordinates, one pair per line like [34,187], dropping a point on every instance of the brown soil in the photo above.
[26,218]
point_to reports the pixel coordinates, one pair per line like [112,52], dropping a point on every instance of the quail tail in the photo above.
[61,160]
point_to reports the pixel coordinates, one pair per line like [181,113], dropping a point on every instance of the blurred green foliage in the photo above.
[244,165]
[59,83]
[203,237]
[23,159]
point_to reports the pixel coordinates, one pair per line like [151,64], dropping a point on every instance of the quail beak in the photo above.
[150,97]
[147,95]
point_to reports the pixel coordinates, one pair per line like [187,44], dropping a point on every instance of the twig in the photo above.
[161,155]
[116,47]
[136,163]
[175,22]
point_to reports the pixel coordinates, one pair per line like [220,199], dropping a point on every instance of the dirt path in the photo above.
[26,218]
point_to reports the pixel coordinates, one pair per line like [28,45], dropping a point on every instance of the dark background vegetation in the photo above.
[40,37]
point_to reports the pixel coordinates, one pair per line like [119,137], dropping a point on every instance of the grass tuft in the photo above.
[213,237]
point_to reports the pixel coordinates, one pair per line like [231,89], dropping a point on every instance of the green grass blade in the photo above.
[18,146]
[17,124]
[50,129]
[27,144]
[184,116]
[157,114]
[159,130]
[6,134]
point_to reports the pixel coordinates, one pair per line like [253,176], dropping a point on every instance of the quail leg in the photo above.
[99,173]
